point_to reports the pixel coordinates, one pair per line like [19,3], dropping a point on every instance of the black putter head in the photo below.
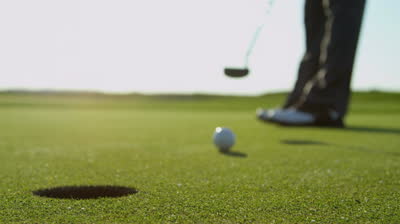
[236,72]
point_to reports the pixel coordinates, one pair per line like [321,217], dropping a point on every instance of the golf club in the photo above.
[239,72]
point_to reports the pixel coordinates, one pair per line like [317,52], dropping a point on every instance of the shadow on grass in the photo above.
[366,129]
[341,147]
[234,154]
[373,129]
[367,150]
[301,142]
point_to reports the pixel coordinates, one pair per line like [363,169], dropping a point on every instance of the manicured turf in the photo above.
[162,147]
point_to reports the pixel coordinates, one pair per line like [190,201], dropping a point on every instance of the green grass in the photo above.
[162,146]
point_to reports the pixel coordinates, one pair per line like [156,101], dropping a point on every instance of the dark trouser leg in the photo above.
[330,88]
[314,20]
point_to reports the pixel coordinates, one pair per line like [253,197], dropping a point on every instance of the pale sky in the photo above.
[175,46]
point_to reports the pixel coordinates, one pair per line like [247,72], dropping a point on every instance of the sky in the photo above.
[176,46]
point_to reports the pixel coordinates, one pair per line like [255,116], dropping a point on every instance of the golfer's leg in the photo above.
[314,20]
[331,86]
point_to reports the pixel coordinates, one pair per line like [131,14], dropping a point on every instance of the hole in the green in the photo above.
[85,192]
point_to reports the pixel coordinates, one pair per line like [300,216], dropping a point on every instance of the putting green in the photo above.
[162,146]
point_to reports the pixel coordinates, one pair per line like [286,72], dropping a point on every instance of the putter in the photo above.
[244,71]
[236,72]
[239,72]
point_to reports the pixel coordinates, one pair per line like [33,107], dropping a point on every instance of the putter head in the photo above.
[236,72]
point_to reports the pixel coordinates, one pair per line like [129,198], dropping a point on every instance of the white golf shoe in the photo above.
[296,117]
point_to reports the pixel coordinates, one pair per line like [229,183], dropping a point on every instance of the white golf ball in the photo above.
[223,138]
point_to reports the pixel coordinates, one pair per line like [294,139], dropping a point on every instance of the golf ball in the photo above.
[223,138]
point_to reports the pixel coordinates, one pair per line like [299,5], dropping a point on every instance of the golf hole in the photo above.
[85,192]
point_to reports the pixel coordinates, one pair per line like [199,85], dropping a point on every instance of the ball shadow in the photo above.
[234,154]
